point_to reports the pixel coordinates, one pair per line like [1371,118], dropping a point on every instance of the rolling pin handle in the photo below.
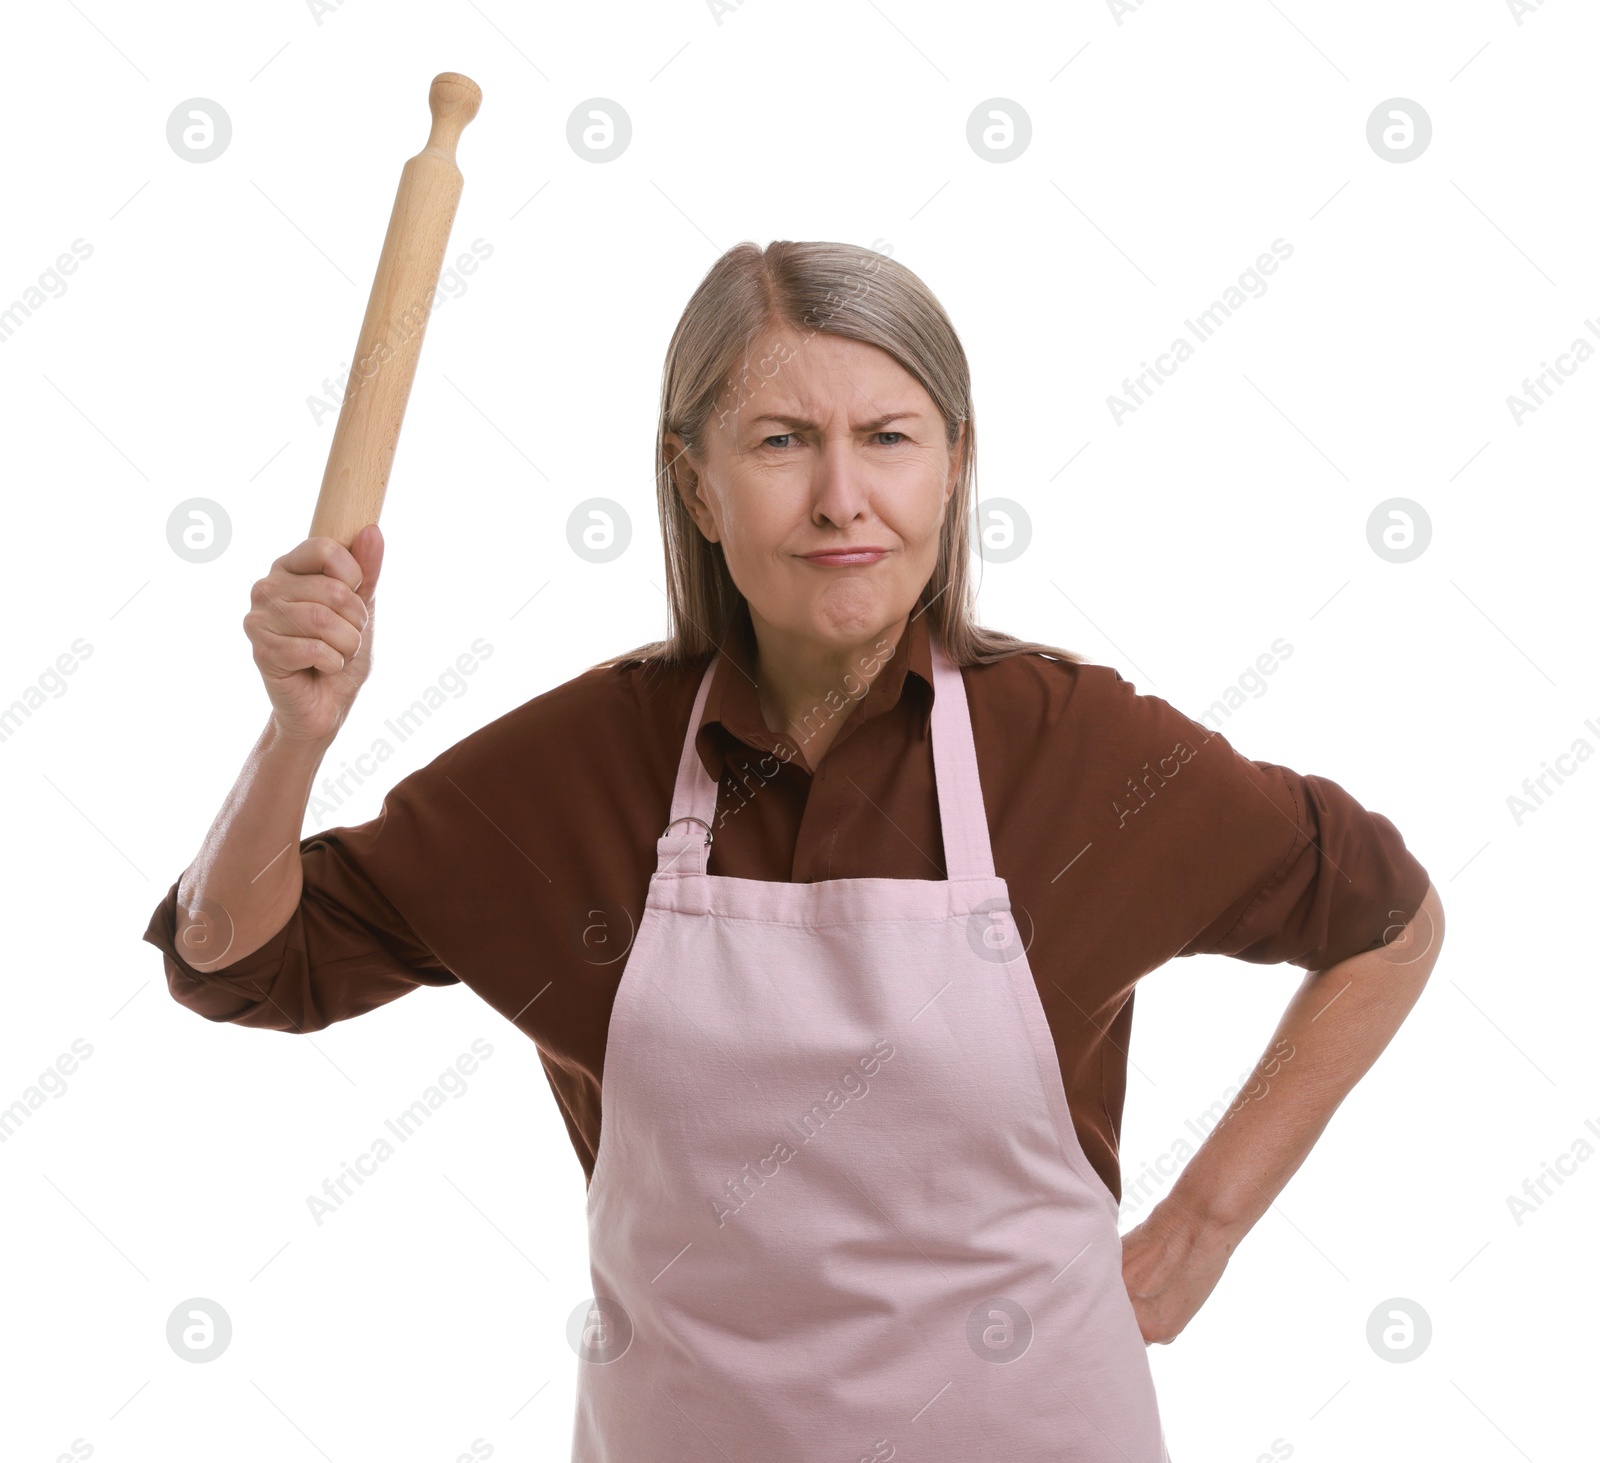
[453,99]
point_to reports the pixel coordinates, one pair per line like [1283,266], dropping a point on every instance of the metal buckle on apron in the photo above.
[689,818]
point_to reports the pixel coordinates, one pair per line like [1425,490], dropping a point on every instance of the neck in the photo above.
[807,688]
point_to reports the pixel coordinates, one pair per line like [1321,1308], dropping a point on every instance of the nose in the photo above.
[840,489]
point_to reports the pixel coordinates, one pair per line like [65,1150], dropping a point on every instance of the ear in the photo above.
[686,479]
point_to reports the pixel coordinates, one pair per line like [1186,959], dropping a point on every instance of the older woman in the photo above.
[825,915]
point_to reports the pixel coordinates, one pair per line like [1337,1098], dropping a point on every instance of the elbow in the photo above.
[1432,908]
[1436,916]
[1415,945]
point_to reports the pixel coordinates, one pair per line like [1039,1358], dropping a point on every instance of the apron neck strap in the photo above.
[684,848]
[967,853]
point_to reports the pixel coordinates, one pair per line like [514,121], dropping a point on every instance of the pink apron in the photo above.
[839,1211]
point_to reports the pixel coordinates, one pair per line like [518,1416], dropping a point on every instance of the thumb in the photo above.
[367,550]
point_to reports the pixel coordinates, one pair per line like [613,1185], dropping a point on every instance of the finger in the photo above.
[367,549]
[289,588]
[282,656]
[310,620]
[322,555]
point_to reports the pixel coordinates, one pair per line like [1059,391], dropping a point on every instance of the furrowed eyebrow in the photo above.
[875,425]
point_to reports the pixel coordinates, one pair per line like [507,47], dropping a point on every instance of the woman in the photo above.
[862,1014]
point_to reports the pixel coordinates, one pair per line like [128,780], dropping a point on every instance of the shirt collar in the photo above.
[733,709]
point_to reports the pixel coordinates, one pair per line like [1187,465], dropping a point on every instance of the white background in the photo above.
[1168,151]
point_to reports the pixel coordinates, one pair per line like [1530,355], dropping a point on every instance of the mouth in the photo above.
[841,558]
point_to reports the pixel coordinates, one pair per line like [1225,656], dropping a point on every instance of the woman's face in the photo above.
[826,445]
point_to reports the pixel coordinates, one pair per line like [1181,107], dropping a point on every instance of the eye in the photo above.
[785,436]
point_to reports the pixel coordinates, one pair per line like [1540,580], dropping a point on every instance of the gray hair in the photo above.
[811,287]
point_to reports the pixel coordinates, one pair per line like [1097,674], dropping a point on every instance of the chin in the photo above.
[852,616]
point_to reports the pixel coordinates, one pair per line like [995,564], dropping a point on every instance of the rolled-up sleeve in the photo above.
[1226,855]
[1345,883]
[344,950]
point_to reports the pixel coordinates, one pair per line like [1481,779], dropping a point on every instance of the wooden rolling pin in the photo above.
[398,308]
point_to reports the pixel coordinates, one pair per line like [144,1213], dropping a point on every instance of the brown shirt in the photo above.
[517,861]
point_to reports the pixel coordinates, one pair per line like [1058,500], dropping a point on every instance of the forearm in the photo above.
[245,882]
[1332,1031]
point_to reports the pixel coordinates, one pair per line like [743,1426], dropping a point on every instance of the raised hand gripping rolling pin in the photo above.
[398,308]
